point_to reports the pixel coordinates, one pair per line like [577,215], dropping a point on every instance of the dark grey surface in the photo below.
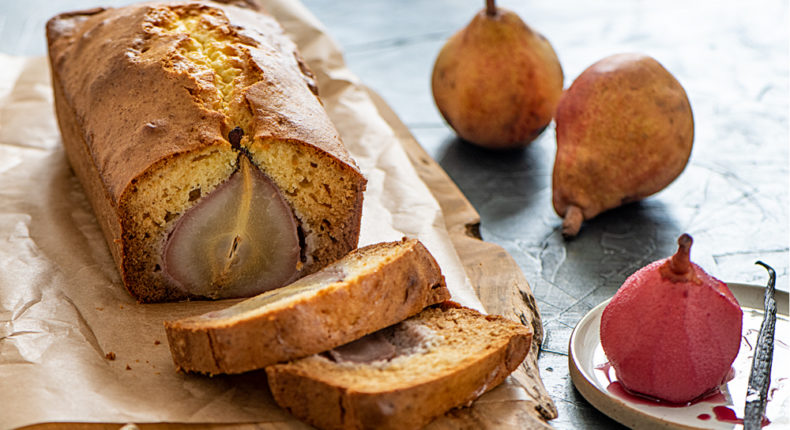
[732,58]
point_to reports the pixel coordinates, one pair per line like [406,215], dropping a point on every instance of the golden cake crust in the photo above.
[126,73]
[146,96]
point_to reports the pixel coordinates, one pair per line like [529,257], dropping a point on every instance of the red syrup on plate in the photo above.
[727,415]
[715,395]
[605,368]
[723,413]
[617,389]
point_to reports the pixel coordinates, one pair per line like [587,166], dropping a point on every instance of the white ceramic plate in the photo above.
[598,384]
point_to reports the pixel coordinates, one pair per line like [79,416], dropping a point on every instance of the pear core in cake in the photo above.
[239,240]
[403,339]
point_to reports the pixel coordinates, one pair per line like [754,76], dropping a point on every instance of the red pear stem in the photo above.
[680,263]
[490,8]
[678,268]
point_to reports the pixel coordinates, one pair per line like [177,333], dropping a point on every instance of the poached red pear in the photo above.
[672,331]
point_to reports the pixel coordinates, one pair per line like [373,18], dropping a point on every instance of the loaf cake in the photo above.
[404,376]
[369,289]
[198,136]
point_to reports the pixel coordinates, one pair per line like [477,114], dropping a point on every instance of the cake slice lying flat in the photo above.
[404,376]
[368,289]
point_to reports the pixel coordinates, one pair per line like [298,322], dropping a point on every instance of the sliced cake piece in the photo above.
[404,376]
[368,289]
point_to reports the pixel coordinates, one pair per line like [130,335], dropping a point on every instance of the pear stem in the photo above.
[490,7]
[678,267]
[572,221]
[680,263]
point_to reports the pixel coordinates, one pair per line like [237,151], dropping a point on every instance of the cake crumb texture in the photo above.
[468,355]
[146,127]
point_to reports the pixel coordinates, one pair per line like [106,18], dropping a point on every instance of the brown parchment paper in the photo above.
[64,313]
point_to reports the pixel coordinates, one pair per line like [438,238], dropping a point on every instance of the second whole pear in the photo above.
[624,131]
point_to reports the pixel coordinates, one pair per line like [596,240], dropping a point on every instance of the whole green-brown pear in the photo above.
[624,131]
[497,81]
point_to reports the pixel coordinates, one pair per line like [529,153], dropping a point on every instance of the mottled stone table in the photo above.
[731,57]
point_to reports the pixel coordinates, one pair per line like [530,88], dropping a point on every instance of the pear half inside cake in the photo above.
[239,240]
